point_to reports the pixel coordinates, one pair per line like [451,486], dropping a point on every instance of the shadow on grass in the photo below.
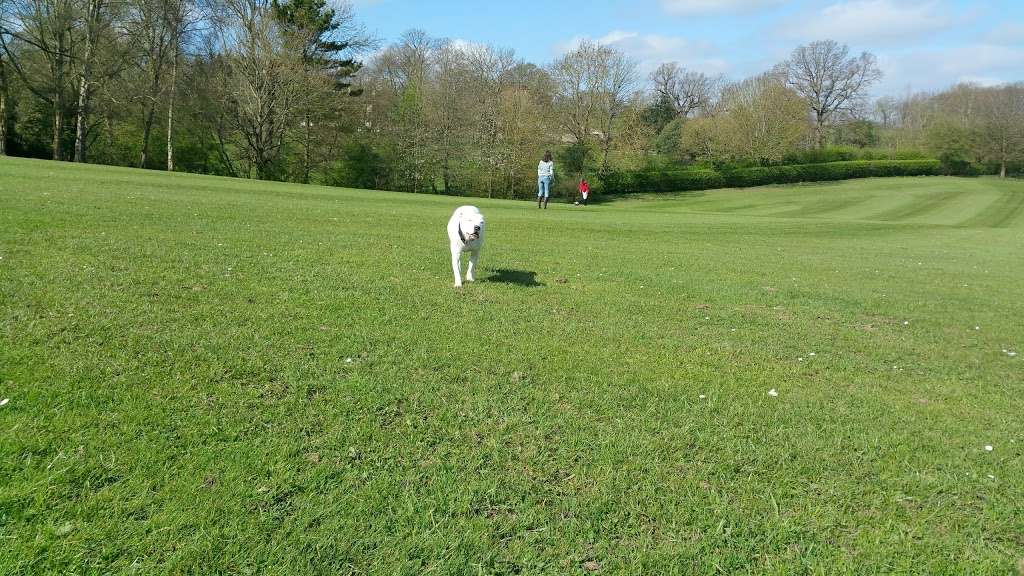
[633,196]
[517,277]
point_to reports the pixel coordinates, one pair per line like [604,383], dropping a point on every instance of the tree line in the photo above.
[297,90]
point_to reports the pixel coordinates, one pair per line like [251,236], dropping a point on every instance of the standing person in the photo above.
[545,173]
[584,189]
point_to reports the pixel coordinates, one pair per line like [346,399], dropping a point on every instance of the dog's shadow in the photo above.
[517,277]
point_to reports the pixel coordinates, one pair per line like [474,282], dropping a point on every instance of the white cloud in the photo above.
[982,80]
[707,7]
[467,45]
[1007,33]
[934,69]
[872,21]
[650,50]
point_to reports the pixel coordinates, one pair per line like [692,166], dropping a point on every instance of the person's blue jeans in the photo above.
[543,186]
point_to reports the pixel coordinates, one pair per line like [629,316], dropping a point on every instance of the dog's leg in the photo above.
[456,265]
[472,265]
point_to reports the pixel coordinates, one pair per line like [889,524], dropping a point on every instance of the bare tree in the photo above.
[829,80]
[689,92]
[447,105]
[400,75]
[181,16]
[266,85]
[577,77]
[493,110]
[97,21]
[999,116]
[618,80]
[149,25]
[886,112]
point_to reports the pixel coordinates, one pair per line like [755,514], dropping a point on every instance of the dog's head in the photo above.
[472,226]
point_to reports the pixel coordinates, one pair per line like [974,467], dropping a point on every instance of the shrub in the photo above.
[360,167]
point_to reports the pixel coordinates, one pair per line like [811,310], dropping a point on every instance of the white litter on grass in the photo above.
[348,360]
[800,359]
[977,327]
[906,322]
[707,317]
[988,448]
[4,401]
[773,392]
[702,396]
[991,477]
[812,354]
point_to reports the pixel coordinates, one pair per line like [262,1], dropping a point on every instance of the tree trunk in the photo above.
[58,100]
[3,109]
[82,114]
[3,120]
[58,126]
[1002,169]
[83,111]
[306,154]
[446,173]
[820,133]
[170,107]
[147,127]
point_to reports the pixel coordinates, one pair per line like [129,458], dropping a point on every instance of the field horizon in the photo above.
[213,375]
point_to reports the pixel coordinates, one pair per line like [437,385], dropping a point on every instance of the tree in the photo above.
[446,104]
[265,87]
[494,112]
[149,27]
[97,23]
[329,38]
[399,78]
[1000,125]
[763,120]
[828,80]
[688,92]
[181,16]
[592,85]
[577,76]
[858,132]
[618,79]
[953,144]
[47,29]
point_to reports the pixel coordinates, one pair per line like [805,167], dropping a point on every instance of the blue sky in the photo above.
[920,44]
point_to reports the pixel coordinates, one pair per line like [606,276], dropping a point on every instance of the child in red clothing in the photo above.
[584,190]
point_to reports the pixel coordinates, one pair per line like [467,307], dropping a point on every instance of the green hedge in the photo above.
[847,153]
[703,179]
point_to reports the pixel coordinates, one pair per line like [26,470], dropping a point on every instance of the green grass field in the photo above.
[220,376]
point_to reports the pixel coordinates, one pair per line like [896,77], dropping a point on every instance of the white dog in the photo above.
[466,234]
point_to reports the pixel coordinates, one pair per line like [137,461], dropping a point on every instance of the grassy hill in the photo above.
[209,375]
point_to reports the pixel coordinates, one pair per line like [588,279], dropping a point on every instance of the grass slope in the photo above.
[219,376]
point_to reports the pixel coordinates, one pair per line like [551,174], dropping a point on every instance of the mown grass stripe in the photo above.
[1003,212]
[919,205]
[823,207]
